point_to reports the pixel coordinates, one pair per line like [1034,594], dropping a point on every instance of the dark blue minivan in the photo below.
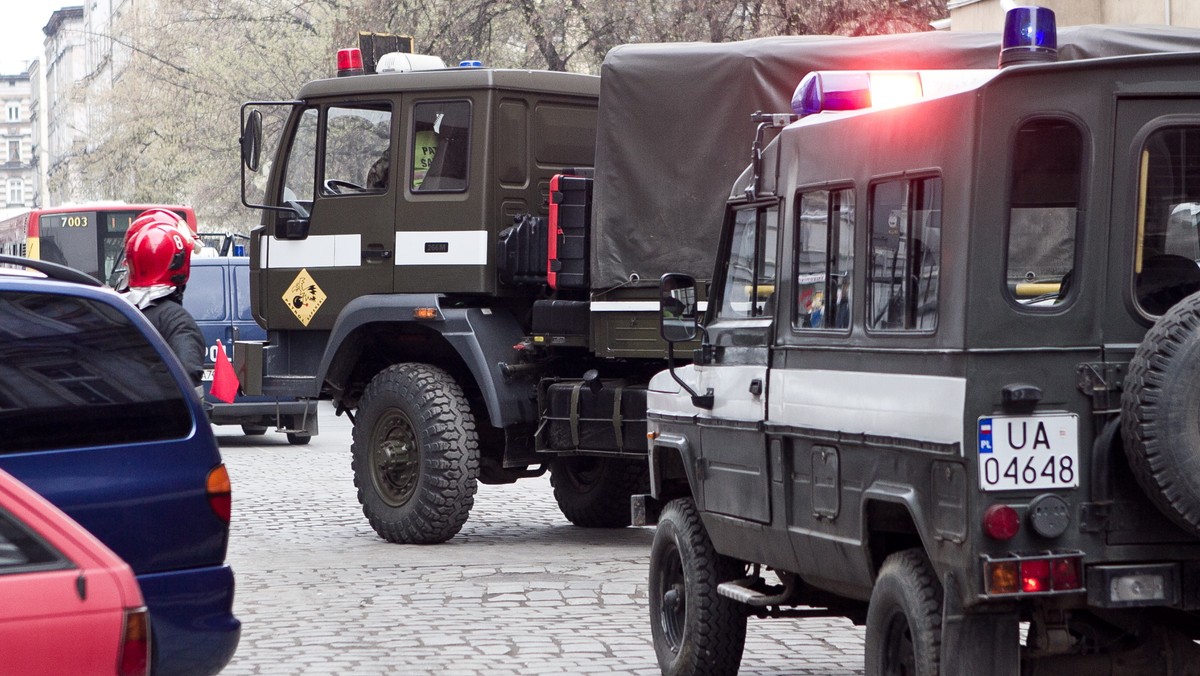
[218,297]
[97,415]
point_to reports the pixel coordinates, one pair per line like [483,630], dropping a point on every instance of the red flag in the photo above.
[225,382]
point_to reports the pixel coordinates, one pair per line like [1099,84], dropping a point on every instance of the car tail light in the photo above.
[1035,576]
[1002,577]
[1001,522]
[1046,573]
[1065,574]
[134,659]
[220,497]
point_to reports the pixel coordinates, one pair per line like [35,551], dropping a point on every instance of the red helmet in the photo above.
[156,253]
[151,216]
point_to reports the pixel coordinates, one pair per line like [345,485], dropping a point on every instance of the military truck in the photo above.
[946,381]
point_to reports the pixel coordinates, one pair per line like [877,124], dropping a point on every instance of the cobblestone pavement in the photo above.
[518,591]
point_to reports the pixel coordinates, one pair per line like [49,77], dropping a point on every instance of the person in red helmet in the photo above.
[159,255]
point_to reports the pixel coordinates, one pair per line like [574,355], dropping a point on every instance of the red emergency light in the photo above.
[349,62]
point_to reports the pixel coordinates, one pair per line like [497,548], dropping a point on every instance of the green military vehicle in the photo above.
[466,260]
[947,376]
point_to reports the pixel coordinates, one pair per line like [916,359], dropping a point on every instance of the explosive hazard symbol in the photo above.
[304,297]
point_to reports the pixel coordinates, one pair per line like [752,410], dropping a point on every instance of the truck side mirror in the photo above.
[251,140]
[677,307]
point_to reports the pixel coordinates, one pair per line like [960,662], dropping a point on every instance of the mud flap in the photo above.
[975,642]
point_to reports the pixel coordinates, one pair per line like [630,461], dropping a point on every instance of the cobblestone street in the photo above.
[519,591]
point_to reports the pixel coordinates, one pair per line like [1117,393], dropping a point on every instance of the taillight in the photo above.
[219,492]
[1065,574]
[1035,576]
[134,659]
[1001,522]
[1039,574]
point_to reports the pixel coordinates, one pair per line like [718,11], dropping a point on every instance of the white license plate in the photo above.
[208,375]
[1029,452]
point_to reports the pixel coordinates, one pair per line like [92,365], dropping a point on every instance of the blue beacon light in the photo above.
[1030,35]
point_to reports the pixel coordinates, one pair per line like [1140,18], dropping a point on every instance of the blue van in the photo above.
[218,296]
[99,418]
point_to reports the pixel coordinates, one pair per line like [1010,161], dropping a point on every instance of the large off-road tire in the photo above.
[904,619]
[695,630]
[415,454]
[594,492]
[1160,414]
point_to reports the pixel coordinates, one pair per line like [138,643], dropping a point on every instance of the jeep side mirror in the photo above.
[251,140]
[677,307]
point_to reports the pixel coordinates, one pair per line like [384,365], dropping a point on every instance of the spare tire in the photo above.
[1160,414]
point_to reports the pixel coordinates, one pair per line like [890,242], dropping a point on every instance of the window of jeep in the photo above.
[824,259]
[749,288]
[358,147]
[441,141]
[1168,224]
[904,270]
[1043,211]
[82,360]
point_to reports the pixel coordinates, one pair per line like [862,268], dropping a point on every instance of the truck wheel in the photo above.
[594,492]
[254,430]
[1160,414]
[904,620]
[298,438]
[415,454]
[695,630]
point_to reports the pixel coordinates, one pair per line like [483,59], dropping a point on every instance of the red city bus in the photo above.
[87,237]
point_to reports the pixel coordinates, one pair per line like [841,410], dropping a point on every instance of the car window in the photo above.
[824,259]
[1043,211]
[1167,256]
[241,294]
[205,294]
[358,148]
[78,359]
[440,146]
[21,549]
[904,272]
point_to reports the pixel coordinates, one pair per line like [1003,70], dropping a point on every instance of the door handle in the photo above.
[376,255]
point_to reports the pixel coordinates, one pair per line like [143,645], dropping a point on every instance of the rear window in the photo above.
[205,295]
[76,372]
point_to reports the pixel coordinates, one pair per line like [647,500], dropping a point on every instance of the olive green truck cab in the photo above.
[947,376]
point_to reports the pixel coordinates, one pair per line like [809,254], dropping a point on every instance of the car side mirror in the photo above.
[251,140]
[677,307]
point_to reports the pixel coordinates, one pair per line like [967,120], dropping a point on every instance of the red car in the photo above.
[70,605]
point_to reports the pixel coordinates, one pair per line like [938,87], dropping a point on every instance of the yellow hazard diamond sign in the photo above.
[304,297]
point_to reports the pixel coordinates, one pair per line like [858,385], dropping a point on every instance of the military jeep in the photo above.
[947,376]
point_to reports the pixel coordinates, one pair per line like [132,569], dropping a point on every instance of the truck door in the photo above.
[733,455]
[337,168]
[1156,201]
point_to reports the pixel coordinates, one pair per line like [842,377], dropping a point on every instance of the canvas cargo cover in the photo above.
[674,128]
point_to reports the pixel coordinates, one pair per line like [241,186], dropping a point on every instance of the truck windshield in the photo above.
[749,289]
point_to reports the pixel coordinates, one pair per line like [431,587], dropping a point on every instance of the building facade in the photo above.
[16,144]
[988,15]
[65,101]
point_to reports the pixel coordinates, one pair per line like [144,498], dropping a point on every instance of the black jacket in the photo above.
[179,329]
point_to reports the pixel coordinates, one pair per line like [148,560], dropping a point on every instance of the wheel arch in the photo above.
[374,332]
[889,523]
[669,475]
